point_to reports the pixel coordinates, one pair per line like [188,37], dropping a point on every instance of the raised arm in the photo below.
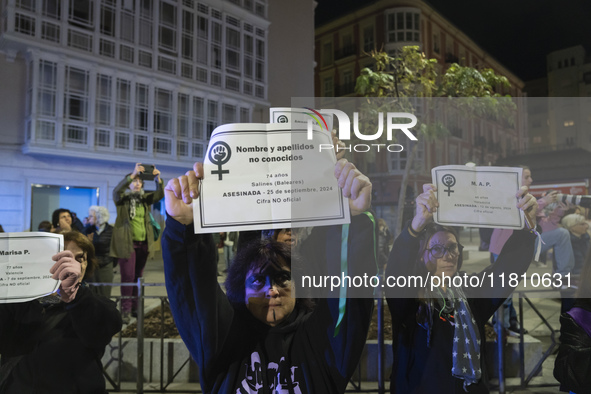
[158,194]
[403,256]
[201,310]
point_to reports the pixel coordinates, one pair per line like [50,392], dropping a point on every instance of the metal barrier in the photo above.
[524,380]
[116,382]
[357,385]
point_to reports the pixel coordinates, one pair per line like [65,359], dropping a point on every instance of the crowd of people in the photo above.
[254,334]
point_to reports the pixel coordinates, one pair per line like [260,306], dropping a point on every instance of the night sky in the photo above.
[518,33]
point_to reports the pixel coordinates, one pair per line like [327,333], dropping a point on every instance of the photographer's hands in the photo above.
[139,168]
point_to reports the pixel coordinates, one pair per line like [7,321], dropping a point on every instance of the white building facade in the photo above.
[91,87]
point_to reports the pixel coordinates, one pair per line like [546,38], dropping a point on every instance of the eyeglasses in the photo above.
[438,251]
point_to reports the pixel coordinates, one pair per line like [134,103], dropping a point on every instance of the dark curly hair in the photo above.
[55,217]
[256,254]
[86,245]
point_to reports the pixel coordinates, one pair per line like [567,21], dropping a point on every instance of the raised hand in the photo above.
[69,271]
[156,173]
[528,204]
[139,168]
[180,192]
[338,145]
[426,206]
[219,153]
[354,185]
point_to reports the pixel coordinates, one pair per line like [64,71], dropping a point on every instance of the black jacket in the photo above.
[65,359]
[418,368]
[238,354]
[102,243]
[573,362]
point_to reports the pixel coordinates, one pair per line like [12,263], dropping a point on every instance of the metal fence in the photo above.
[163,385]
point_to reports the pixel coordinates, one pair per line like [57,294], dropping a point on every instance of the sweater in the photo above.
[237,353]
[65,359]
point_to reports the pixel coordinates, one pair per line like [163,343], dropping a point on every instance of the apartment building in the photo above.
[341,51]
[91,87]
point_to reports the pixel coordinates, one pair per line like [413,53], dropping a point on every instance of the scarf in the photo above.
[135,198]
[466,340]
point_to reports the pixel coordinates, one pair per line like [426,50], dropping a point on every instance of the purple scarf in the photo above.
[582,317]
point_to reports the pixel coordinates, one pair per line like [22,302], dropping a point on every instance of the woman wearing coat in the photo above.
[133,237]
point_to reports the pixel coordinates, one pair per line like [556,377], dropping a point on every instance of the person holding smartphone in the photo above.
[133,237]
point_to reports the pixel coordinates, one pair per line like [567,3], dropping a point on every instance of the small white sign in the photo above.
[268,176]
[478,196]
[25,261]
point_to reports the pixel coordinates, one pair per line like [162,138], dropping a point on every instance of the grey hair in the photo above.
[102,214]
[572,220]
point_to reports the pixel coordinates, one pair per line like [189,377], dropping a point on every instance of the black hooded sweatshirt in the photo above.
[238,354]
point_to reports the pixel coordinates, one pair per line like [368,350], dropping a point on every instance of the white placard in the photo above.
[478,196]
[268,176]
[25,260]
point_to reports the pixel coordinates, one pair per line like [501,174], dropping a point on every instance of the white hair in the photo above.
[102,214]
[572,220]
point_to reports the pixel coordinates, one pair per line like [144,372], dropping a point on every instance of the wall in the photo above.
[20,172]
[12,101]
[291,51]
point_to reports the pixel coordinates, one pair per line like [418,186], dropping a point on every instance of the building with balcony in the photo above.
[91,87]
[559,117]
[341,49]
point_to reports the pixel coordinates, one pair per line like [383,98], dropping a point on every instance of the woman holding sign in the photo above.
[258,337]
[54,344]
[438,328]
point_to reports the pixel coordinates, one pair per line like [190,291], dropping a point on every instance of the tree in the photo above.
[399,81]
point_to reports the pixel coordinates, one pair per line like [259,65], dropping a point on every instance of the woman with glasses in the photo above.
[438,327]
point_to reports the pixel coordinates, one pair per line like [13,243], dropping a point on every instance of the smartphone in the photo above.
[147,174]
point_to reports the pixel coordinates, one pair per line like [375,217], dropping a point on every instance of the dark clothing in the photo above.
[580,249]
[102,243]
[237,353]
[102,246]
[573,362]
[65,359]
[383,247]
[122,240]
[418,368]
[131,269]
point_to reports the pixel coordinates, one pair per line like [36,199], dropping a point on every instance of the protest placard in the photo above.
[264,176]
[478,196]
[25,260]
